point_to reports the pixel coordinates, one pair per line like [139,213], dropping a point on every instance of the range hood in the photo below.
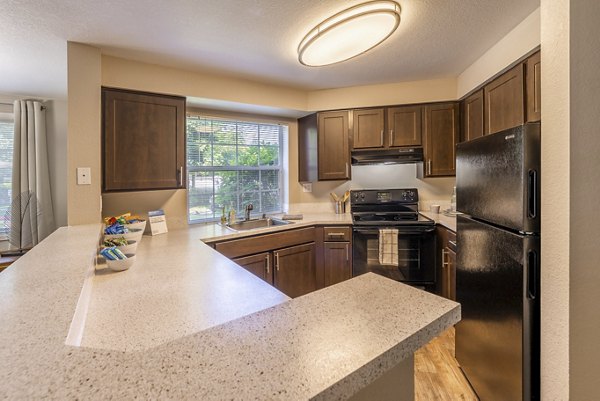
[387,156]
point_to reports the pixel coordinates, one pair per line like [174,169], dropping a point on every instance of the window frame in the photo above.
[281,167]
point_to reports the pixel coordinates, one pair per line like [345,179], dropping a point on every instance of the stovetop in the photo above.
[387,207]
[373,218]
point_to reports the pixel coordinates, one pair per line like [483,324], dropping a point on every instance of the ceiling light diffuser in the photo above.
[349,33]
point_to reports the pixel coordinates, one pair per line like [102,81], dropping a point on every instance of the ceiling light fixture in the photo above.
[349,33]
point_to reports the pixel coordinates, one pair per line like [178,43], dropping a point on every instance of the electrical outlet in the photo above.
[84,176]
[307,187]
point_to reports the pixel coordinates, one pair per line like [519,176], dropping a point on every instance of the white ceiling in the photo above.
[253,39]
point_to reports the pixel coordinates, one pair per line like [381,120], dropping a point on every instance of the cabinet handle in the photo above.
[277,261]
[347,173]
[429,167]
[181,176]
[444,260]
[347,253]
[391,137]
[381,137]
[267,263]
[335,234]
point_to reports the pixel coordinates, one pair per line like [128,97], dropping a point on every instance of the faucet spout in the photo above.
[249,207]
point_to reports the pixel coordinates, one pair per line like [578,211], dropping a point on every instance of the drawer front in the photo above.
[451,236]
[337,233]
[265,243]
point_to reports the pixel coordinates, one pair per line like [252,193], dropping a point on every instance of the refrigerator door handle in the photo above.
[532,274]
[532,201]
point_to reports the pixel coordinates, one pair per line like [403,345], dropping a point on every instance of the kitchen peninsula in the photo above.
[187,323]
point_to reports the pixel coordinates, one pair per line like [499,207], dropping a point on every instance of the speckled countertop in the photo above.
[213,232]
[442,219]
[325,345]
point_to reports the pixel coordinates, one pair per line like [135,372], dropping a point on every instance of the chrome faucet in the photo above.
[249,207]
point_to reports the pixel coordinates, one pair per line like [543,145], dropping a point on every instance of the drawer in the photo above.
[451,236]
[337,233]
[265,243]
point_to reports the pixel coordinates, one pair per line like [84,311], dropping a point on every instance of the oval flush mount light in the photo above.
[349,33]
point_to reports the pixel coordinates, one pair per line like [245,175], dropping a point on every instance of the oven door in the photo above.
[416,254]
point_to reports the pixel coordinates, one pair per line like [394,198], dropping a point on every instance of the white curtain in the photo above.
[32,213]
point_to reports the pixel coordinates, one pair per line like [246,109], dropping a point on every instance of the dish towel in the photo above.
[388,246]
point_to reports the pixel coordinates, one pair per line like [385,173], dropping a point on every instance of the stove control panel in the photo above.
[384,196]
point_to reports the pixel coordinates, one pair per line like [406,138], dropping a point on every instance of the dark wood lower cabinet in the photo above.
[449,273]
[295,270]
[446,286]
[337,262]
[260,265]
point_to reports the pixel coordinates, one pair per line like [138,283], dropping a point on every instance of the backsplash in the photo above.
[431,190]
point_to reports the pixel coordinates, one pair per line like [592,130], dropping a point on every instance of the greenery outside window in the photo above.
[231,164]
[6,156]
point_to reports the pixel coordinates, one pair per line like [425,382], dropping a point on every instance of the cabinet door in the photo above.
[259,265]
[504,102]
[295,270]
[337,262]
[144,141]
[449,274]
[307,148]
[441,135]
[404,126]
[367,130]
[334,151]
[472,116]
[534,83]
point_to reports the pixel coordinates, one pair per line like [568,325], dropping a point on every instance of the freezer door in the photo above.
[497,285]
[498,178]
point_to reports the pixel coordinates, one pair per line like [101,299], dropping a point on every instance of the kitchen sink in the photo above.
[256,223]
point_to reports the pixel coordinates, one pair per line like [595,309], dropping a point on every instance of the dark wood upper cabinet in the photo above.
[368,127]
[260,265]
[472,116]
[441,131]
[295,270]
[504,101]
[307,148]
[333,145]
[143,141]
[404,126]
[534,83]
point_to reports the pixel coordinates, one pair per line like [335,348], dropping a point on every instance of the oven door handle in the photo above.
[401,230]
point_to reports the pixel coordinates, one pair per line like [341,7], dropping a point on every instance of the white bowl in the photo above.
[139,225]
[130,248]
[133,234]
[121,264]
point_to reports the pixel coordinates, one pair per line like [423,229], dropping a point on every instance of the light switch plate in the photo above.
[307,187]
[84,176]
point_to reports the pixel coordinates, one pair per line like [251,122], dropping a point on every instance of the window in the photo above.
[6,155]
[232,164]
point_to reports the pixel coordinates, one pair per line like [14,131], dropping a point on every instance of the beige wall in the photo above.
[555,209]
[380,95]
[518,42]
[83,146]
[570,277]
[56,130]
[121,73]
[584,280]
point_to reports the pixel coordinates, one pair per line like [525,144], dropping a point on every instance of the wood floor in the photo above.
[437,375]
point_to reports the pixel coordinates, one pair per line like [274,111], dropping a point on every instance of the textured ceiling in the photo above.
[253,39]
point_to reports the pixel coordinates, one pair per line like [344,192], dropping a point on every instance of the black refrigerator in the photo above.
[498,263]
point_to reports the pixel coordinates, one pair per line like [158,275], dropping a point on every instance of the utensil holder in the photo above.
[340,207]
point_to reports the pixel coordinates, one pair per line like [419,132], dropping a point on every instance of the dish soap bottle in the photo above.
[231,214]
[453,201]
[223,217]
